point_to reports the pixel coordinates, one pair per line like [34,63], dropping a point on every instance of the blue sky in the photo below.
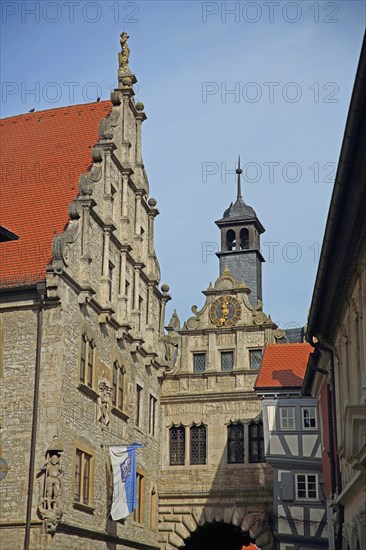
[290,67]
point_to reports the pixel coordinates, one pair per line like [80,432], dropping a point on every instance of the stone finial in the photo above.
[174,321]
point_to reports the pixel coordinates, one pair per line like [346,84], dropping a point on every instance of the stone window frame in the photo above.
[191,427]
[282,427]
[117,357]
[250,350]
[153,405]
[138,515]
[309,408]
[306,475]
[225,350]
[84,450]
[183,429]
[196,353]
[230,426]
[256,441]
[82,382]
[139,405]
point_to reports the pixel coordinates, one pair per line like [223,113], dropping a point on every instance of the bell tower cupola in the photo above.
[240,243]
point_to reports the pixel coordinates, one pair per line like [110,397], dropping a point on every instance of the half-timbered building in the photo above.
[293,448]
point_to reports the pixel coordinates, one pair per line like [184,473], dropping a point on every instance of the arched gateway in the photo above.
[214,528]
[217,536]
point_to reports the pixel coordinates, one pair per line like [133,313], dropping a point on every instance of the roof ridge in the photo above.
[58,109]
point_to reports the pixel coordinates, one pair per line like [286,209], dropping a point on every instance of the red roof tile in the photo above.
[283,365]
[42,157]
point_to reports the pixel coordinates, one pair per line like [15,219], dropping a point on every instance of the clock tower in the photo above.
[240,243]
[213,448]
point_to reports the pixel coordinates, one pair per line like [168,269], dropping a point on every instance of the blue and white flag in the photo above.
[124,480]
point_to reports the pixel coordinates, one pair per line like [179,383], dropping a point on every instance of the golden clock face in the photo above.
[225,311]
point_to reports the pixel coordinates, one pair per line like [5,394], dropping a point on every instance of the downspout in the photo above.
[333,439]
[41,290]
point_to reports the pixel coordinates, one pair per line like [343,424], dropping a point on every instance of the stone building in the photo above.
[215,483]
[82,324]
[336,375]
[293,448]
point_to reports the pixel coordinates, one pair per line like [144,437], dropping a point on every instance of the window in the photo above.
[141,307]
[152,414]
[227,360]
[287,418]
[82,477]
[256,442]
[138,513]
[110,274]
[113,197]
[177,436]
[235,444]
[83,357]
[89,381]
[138,404]
[309,418]
[307,486]
[244,238]
[7,235]
[118,395]
[198,444]
[87,361]
[230,240]
[255,358]
[199,362]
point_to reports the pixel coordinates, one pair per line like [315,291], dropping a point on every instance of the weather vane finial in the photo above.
[239,171]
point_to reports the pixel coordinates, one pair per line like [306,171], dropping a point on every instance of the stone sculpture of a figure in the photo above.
[50,506]
[104,403]
[53,483]
[124,54]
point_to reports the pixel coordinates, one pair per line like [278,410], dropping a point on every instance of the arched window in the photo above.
[235,443]
[230,240]
[256,442]
[198,444]
[177,445]
[244,239]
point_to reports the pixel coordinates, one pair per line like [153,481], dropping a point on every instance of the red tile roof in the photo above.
[42,157]
[283,365]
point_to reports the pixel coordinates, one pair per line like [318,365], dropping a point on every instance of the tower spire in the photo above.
[239,171]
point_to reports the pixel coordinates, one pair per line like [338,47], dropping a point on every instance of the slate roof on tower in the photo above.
[43,155]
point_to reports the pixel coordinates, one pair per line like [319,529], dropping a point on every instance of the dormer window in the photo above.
[6,235]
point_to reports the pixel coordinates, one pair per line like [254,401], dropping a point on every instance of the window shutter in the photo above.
[287,486]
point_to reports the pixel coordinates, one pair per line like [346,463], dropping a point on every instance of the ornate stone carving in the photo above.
[50,506]
[61,242]
[74,210]
[226,281]
[104,402]
[85,186]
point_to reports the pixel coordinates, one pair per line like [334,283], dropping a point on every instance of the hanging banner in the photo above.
[124,480]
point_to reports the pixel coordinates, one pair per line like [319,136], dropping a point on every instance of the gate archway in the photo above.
[217,536]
